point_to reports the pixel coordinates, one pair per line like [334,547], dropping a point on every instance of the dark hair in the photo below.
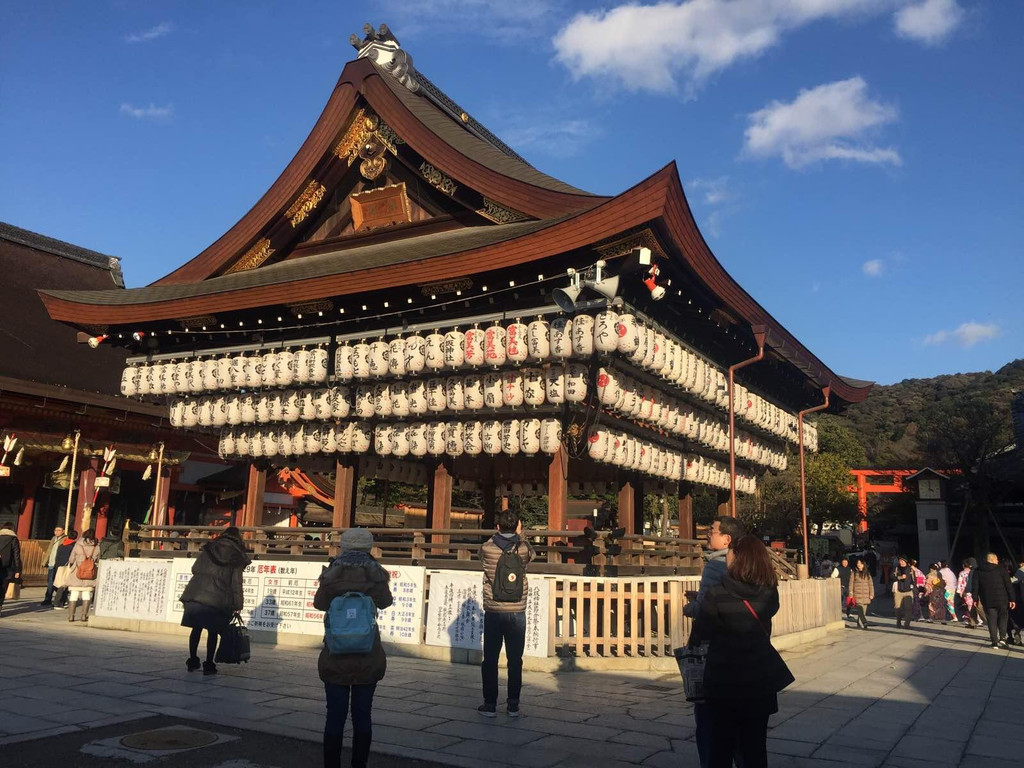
[89,534]
[231,531]
[844,557]
[508,520]
[751,562]
[970,562]
[731,526]
[72,534]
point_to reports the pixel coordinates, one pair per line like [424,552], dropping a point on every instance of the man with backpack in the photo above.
[504,557]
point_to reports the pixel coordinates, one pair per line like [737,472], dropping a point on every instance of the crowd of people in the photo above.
[990,594]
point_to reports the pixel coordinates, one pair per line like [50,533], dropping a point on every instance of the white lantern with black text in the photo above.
[533,386]
[362,437]
[492,437]
[400,440]
[418,439]
[575,382]
[417,397]
[455,440]
[605,336]
[473,392]
[529,436]
[435,438]
[364,401]
[473,436]
[538,339]
[550,435]
[396,356]
[399,399]
[382,399]
[454,349]
[343,362]
[554,384]
[511,437]
[454,393]
[561,338]
[434,351]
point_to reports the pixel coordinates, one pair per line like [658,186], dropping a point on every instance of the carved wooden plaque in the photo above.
[380,207]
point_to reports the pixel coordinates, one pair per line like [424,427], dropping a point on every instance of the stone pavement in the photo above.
[931,696]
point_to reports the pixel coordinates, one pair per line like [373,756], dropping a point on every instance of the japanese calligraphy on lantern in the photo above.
[455,614]
[133,589]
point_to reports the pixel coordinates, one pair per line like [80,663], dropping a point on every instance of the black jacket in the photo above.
[908,583]
[844,577]
[217,575]
[992,586]
[64,552]
[742,663]
[10,554]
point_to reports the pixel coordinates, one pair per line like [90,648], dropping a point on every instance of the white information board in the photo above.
[402,622]
[455,613]
[133,589]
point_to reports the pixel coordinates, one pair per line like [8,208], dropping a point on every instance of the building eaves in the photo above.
[65,250]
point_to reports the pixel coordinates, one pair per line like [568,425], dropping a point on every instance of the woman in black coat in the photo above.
[904,584]
[213,595]
[744,672]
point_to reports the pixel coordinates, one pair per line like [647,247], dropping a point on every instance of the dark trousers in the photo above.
[997,619]
[337,714]
[508,629]
[904,608]
[738,731]
[4,583]
[51,574]
[862,619]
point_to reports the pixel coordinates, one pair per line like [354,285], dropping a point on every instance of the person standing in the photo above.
[10,561]
[504,557]
[724,531]
[844,582]
[213,595]
[965,591]
[351,679]
[949,589]
[743,673]
[993,590]
[903,585]
[862,590]
[935,595]
[51,564]
[83,567]
[60,579]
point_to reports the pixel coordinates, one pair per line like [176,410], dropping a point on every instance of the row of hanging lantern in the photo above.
[282,368]
[633,400]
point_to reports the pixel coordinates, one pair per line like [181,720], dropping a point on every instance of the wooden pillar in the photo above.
[686,527]
[346,485]
[254,493]
[102,515]
[160,504]
[86,488]
[439,501]
[723,503]
[558,491]
[490,505]
[28,507]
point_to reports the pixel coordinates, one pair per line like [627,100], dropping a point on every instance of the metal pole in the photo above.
[759,336]
[71,481]
[803,479]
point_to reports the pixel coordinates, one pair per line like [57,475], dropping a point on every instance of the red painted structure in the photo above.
[890,481]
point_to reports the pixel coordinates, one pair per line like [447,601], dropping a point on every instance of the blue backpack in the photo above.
[350,624]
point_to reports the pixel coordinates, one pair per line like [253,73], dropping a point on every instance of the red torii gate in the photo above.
[891,481]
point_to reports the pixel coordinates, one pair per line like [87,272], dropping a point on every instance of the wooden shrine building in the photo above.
[411,299]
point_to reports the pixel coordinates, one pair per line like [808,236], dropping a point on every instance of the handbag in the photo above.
[87,568]
[692,661]
[234,645]
[60,579]
[851,602]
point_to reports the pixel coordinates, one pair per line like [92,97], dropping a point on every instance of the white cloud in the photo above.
[828,122]
[162,29]
[152,112]
[714,191]
[929,21]
[872,268]
[504,21]
[558,138]
[966,335]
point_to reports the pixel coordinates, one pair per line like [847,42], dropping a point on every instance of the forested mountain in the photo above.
[892,423]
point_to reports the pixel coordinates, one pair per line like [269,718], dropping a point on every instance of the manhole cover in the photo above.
[169,739]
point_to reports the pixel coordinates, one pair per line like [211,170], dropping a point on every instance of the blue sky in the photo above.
[856,164]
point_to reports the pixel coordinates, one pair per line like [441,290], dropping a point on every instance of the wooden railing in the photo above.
[557,551]
[33,561]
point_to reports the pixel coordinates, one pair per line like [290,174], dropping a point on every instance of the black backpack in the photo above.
[510,572]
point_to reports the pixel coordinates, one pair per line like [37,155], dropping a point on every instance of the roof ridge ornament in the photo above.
[383,49]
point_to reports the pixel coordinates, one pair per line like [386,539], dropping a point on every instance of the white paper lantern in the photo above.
[529,436]
[380,350]
[130,381]
[339,399]
[646,403]
[473,392]
[492,390]
[361,360]
[454,393]
[575,382]
[343,362]
[560,333]
[312,438]
[538,339]
[291,403]
[494,345]
[275,406]
[473,346]
[364,408]
[307,405]
[473,436]
[415,354]
[454,438]
[343,436]
[328,440]
[164,376]
[382,399]
[177,413]
[550,435]
[396,356]
[434,351]
[269,369]
[256,443]
[271,442]
[181,373]
[618,449]
[583,336]
[400,440]
[399,399]
[234,406]
[435,438]
[194,378]
[322,403]
[248,408]
[418,439]
[533,386]
[512,389]
[646,457]
[417,397]
[318,366]
[511,443]
[362,437]
[492,437]
[262,408]
[606,337]
[627,338]
[301,366]
[598,445]
[226,446]
[658,358]
[242,441]
[253,371]
[436,401]
[237,372]
[382,435]
[220,411]
[517,345]
[608,390]
[554,384]
[454,349]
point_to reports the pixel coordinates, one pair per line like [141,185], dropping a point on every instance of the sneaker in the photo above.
[1002,644]
[513,709]
[488,710]
[192,664]
[209,668]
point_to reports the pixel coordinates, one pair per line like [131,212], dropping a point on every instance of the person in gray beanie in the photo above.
[352,677]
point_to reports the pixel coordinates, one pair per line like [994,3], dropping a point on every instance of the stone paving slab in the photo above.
[884,698]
